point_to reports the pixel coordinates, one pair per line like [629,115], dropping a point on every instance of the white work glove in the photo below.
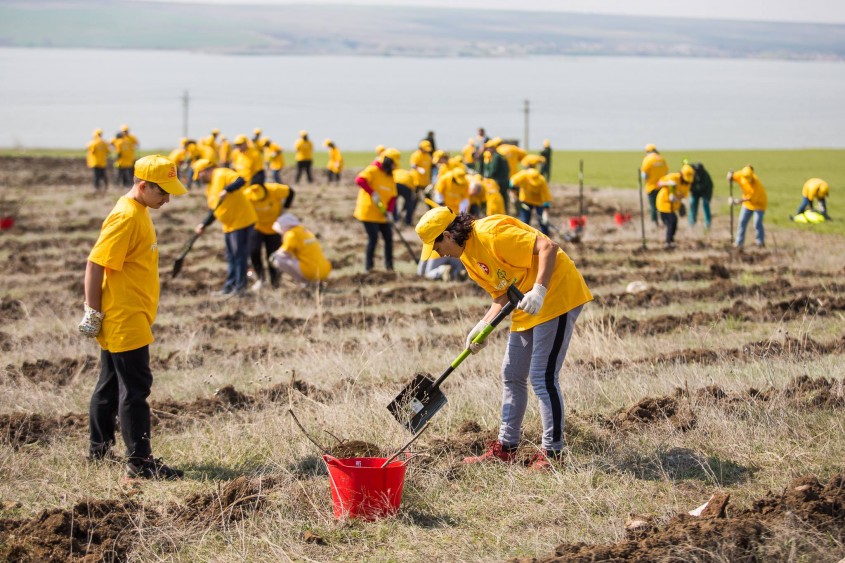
[438,198]
[92,321]
[730,175]
[475,347]
[672,198]
[544,217]
[376,199]
[532,301]
[643,175]
[463,207]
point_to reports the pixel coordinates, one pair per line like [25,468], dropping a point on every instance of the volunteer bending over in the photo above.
[497,251]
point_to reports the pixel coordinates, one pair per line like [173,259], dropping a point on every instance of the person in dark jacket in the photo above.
[546,166]
[700,191]
[496,167]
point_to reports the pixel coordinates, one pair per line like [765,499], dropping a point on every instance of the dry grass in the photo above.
[360,341]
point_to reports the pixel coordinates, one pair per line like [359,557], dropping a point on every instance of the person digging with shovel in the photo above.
[497,251]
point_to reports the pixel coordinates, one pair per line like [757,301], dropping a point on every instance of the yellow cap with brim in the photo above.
[240,139]
[200,165]
[430,226]
[494,142]
[650,148]
[158,170]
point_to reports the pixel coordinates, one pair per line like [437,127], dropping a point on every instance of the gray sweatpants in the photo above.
[537,355]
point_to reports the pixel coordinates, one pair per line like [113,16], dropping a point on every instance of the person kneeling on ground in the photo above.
[445,268]
[301,255]
[497,251]
[815,189]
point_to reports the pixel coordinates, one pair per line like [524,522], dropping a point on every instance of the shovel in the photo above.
[422,398]
[410,250]
[177,265]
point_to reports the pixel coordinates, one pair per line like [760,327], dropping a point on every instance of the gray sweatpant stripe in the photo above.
[536,355]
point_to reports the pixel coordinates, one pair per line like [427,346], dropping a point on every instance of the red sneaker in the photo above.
[496,452]
[543,460]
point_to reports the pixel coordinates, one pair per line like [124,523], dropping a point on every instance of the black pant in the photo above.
[124,176]
[258,178]
[373,230]
[121,392]
[271,243]
[303,166]
[409,199]
[671,222]
[100,177]
[332,177]
[277,176]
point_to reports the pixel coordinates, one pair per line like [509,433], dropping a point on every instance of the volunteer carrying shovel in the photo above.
[497,251]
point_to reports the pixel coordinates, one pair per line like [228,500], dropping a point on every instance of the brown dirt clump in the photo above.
[653,410]
[12,309]
[805,518]
[93,530]
[232,502]
[356,448]
[19,429]
[60,372]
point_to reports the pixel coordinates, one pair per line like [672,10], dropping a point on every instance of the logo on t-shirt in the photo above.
[500,274]
[154,247]
[484,267]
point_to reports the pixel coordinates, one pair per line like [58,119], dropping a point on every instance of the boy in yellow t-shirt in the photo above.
[377,198]
[499,251]
[121,300]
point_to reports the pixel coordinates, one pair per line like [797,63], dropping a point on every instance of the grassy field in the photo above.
[725,377]
[783,173]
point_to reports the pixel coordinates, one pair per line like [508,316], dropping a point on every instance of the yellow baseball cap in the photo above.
[303,133]
[158,170]
[98,132]
[256,131]
[494,142]
[425,145]
[532,160]
[240,139]
[379,149]
[327,142]
[650,147]
[546,143]
[392,154]
[215,131]
[431,225]
[124,128]
[200,165]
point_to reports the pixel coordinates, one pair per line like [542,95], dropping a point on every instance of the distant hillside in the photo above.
[400,31]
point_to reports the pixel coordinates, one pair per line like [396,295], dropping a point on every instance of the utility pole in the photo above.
[185,101]
[526,111]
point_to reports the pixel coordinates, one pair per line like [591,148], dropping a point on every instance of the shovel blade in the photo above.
[177,267]
[417,403]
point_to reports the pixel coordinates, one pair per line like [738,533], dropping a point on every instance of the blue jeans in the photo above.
[237,259]
[671,222]
[525,216]
[693,210]
[745,216]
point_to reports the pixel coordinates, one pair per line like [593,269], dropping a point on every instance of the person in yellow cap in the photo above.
[534,194]
[379,149]
[377,186]
[498,251]
[497,168]
[490,197]
[248,161]
[671,191]
[452,190]
[513,155]
[274,156]
[300,255]
[546,153]
[130,138]
[335,164]
[653,168]
[304,156]
[121,302]
[814,190]
[124,159]
[421,160]
[407,182]
[212,139]
[97,158]
[224,152]
[257,141]
[468,153]
[754,202]
[268,200]
[227,202]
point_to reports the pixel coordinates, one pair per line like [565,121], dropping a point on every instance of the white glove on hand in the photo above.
[730,176]
[544,217]
[91,322]
[376,199]
[532,301]
[475,347]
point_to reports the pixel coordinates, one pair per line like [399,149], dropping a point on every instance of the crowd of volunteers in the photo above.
[472,211]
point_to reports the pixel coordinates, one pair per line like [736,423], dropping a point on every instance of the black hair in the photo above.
[460,229]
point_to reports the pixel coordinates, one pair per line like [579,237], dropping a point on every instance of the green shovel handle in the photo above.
[514,296]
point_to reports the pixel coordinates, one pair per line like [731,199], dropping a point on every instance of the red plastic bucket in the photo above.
[362,489]
[6,223]
[575,222]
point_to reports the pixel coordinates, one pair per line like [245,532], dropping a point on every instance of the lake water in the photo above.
[56,97]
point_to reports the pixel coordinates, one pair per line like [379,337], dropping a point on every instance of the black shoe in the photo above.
[152,468]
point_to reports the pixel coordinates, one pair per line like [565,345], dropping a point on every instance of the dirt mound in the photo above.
[356,448]
[93,530]
[19,429]
[58,373]
[232,502]
[802,519]
[12,309]
[653,410]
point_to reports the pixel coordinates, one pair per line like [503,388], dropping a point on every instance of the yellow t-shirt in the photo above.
[494,199]
[335,160]
[128,251]
[655,167]
[301,243]
[513,154]
[753,190]
[454,188]
[383,185]
[236,212]
[268,205]
[501,250]
[247,162]
[304,150]
[407,178]
[533,188]
[98,153]
[675,185]
[125,152]
[422,159]
[274,156]
[815,188]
